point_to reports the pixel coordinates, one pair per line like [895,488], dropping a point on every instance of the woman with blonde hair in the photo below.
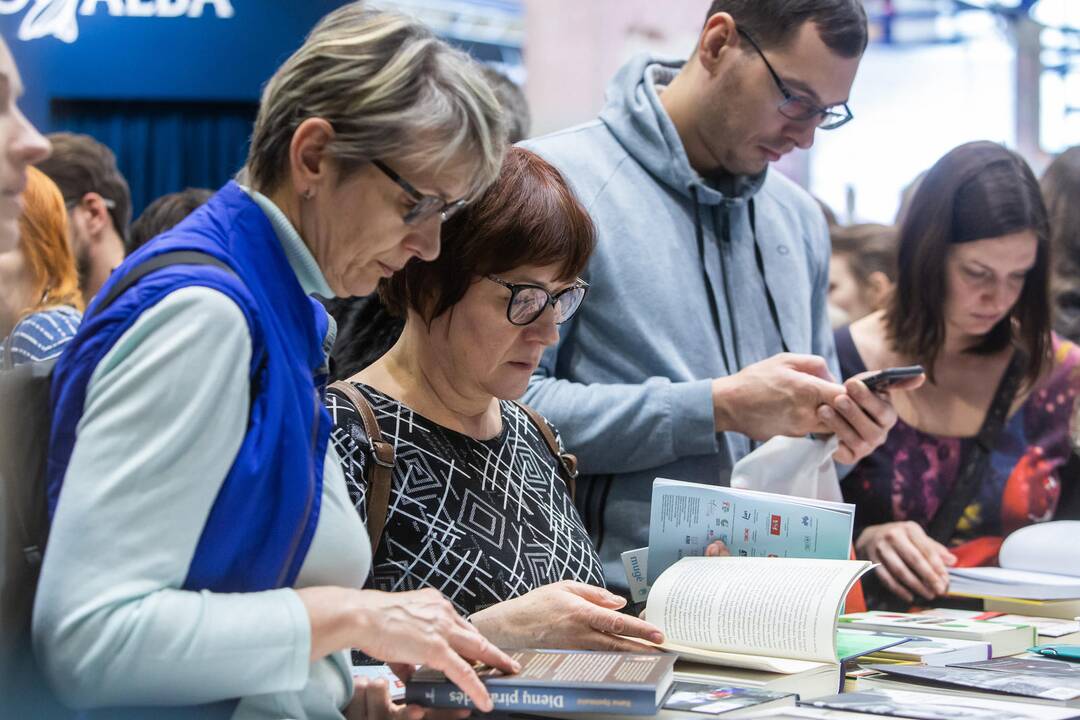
[40,303]
[204,555]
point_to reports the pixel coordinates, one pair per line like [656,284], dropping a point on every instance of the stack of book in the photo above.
[1039,562]
[1004,638]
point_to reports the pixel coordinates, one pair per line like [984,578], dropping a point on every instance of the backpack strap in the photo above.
[567,461]
[137,273]
[379,472]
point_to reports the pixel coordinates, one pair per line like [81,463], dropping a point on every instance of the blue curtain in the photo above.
[164,147]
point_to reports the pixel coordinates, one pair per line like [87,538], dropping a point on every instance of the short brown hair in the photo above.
[79,164]
[529,216]
[979,190]
[868,248]
[842,24]
[43,240]
[164,214]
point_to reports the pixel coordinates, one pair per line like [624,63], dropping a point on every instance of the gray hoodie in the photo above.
[629,383]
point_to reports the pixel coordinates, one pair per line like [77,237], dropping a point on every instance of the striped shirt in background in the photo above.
[40,336]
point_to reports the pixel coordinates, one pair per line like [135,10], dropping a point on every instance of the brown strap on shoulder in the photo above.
[567,461]
[379,473]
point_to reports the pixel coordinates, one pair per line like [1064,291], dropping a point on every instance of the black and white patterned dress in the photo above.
[482,521]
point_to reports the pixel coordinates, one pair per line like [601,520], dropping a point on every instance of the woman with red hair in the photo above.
[40,303]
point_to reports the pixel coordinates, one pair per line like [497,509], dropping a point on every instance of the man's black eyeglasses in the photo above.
[798,107]
[426,205]
[528,301]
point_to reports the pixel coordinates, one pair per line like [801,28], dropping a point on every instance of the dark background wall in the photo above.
[173,97]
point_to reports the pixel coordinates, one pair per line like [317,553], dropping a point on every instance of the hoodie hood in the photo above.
[639,122]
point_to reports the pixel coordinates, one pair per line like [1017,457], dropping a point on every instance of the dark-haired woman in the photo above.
[479,507]
[978,451]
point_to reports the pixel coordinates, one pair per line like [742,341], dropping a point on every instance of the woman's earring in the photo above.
[309,193]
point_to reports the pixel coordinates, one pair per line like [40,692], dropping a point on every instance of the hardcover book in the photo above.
[1004,639]
[934,651]
[561,681]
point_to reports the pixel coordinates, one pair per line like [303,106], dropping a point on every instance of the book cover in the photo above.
[1027,685]
[687,517]
[934,706]
[1045,627]
[1029,664]
[559,680]
[721,700]
[935,651]
[1004,639]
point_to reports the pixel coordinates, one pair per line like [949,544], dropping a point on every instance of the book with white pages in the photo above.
[1048,629]
[1037,562]
[772,614]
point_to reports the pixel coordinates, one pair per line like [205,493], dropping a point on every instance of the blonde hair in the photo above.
[391,90]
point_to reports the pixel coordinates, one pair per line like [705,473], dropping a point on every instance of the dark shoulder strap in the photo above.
[379,470]
[851,362]
[137,273]
[974,461]
[567,461]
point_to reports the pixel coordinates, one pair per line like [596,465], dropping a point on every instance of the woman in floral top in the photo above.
[972,292]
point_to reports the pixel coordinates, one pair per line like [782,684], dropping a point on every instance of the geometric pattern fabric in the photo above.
[481,521]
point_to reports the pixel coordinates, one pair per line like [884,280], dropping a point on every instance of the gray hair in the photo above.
[390,89]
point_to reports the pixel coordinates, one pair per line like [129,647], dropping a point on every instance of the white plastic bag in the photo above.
[801,466]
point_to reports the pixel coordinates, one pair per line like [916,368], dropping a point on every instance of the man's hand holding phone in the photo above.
[862,416]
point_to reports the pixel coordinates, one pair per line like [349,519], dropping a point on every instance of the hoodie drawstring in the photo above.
[713,309]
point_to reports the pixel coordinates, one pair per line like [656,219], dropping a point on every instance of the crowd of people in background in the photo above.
[277,407]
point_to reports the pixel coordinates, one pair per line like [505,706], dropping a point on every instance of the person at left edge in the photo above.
[204,554]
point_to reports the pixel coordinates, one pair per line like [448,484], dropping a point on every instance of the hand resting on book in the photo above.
[565,615]
[910,560]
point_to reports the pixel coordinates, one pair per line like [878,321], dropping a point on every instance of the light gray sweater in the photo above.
[629,383]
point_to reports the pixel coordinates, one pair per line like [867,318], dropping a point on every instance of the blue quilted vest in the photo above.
[264,517]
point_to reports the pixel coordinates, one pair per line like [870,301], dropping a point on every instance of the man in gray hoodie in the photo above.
[705,329]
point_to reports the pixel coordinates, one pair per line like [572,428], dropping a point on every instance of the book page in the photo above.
[783,607]
[1048,547]
[687,517]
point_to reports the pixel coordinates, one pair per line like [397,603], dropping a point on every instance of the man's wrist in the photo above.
[723,412]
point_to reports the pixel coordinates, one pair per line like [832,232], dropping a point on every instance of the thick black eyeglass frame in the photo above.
[828,119]
[515,288]
[426,205]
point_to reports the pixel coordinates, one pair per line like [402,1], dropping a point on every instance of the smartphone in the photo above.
[886,378]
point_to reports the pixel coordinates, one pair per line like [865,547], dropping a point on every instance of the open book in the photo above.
[686,517]
[772,614]
[1037,562]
